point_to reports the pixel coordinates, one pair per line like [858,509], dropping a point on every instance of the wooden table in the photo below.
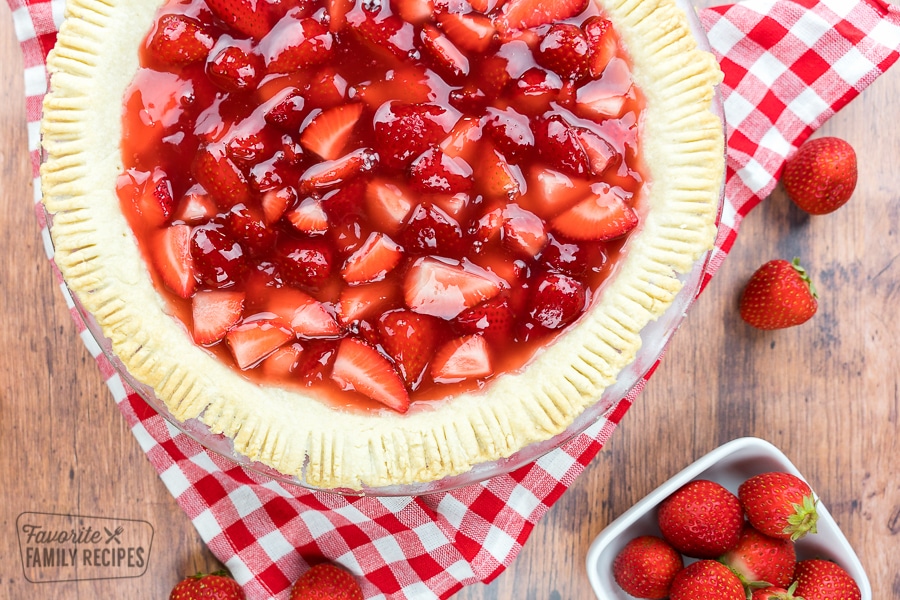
[827,393]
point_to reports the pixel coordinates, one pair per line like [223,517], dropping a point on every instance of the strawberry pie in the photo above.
[378,242]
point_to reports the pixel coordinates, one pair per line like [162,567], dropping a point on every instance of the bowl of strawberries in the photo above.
[740,522]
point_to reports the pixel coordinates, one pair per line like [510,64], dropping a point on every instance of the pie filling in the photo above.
[400,200]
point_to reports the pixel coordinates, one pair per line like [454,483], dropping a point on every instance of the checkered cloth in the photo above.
[788,67]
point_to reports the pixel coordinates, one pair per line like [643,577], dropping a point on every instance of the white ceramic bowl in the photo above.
[728,465]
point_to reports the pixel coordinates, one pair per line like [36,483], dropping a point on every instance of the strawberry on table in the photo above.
[758,557]
[821,176]
[778,295]
[360,367]
[779,504]
[326,581]
[701,519]
[214,586]
[646,566]
[819,579]
[706,580]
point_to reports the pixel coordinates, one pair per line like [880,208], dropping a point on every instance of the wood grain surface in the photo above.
[826,392]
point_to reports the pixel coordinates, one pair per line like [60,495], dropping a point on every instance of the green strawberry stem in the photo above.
[803,520]
[804,276]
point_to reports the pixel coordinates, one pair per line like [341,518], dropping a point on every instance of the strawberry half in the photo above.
[214,312]
[252,341]
[242,16]
[444,288]
[446,57]
[388,204]
[328,133]
[564,50]
[464,358]
[473,32]
[361,368]
[295,44]
[522,14]
[180,40]
[493,319]
[410,340]
[307,316]
[217,173]
[367,301]
[601,217]
[308,217]
[377,257]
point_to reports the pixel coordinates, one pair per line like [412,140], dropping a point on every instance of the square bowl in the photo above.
[728,465]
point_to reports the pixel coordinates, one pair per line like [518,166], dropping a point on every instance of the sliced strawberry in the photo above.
[523,232]
[382,32]
[154,202]
[410,340]
[252,341]
[493,319]
[242,16]
[571,258]
[444,288]
[366,301]
[276,202]
[414,11]
[377,257]
[434,172]
[535,90]
[329,131]
[462,142]
[471,32]
[219,261]
[303,261]
[337,13]
[510,131]
[308,317]
[497,178]
[217,173]
[388,204]
[493,75]
[600,153]
[404,131]
[283,362]
[332,173]
[469,99]
[467,357]
[564,49]
[601,217]
[248,227]
[484,6]
[430,230]
[558,145]
[314,365]
[446,57]
[551,192]
[361,368]
[295,44]
[285,110]
[522,14]
[488,227]
[407,84]
[605,97]
[195,206]
[308,217]
[235,68]
[179,40]
[214,312]
[171,255]
[326,88]
[556,300]
[602,42]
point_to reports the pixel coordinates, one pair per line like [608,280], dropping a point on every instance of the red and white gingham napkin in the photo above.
[788,67]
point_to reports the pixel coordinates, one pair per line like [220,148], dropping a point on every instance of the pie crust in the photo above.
[683,149]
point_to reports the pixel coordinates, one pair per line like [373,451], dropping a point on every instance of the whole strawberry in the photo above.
[773,592]
[706,579]
[819,579]
[821,176]
[646,566]
[778,295]
[326,581]
[760,558]
[214,586]
[780,505]
[701,519]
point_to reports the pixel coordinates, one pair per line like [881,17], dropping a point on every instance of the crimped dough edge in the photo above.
[683,148]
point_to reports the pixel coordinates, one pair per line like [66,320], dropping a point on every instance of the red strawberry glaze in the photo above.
[387,174]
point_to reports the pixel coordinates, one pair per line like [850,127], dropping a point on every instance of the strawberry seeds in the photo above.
[400,200]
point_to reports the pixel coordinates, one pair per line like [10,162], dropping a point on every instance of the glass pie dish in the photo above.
[654,338]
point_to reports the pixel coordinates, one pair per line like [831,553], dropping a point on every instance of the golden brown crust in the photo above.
[94,61]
